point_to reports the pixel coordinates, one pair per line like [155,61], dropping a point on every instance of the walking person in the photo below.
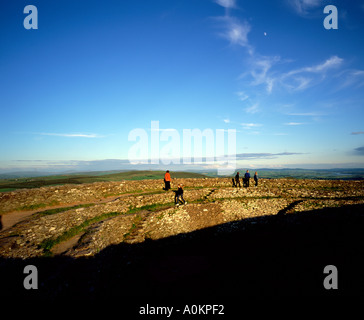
[167,181]
[179,193]
[256,178]
[237,180]
[247,178]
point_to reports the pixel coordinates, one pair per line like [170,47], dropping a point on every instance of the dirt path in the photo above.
[9,219]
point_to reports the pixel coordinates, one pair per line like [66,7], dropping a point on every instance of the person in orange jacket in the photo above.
[167,180]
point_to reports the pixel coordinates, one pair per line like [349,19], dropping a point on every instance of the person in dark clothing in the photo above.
[256,178]
[247,178]
[233,180]
[179,193]
[237,180]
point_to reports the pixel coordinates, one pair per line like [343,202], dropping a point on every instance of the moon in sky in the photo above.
[265,33]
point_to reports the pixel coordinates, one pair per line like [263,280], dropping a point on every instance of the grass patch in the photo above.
[7,189]
[151,207]
[48,244]
[37,206]
[161,216]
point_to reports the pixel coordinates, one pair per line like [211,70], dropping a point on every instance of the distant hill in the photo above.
[34,174]
[24,174]
[79,178]
[329,174]
[298,173]
[13,182]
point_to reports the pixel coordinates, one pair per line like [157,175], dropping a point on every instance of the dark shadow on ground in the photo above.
[268,256]
[289,207]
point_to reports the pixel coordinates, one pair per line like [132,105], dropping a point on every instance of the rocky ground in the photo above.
[122,241]
[88,218]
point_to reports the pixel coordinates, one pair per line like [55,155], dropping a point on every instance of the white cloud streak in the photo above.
[332,62]
[260,71]
[351,78]
[252,109]
[306,114]
[235,31]
[299,79]
[242,96]
[72,135]
[304,7]
[293,124]
[226,3]
[249,126]
[303,78]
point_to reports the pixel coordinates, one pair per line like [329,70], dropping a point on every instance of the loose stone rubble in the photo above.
[132,211]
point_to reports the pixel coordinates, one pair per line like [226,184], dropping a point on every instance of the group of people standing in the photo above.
[179,192]
[246,179]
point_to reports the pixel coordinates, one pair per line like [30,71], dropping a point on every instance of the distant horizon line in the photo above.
[29,170]
[248,161]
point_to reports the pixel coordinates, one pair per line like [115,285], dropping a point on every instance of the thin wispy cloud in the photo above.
[235,31]
[226,3]
[328,64]
[252,109]
[72,135]
[264,73]
[261,65]
[303,78]
[357,133]
[251,125]
[359,151]
[305,114]
[249,156]
[351,78]
[242,96]
[293,123]
[304,7]
[332,62]
[301,83]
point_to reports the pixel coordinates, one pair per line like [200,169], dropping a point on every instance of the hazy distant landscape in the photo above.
[18,180]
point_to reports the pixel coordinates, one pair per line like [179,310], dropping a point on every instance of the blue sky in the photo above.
[72,90]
